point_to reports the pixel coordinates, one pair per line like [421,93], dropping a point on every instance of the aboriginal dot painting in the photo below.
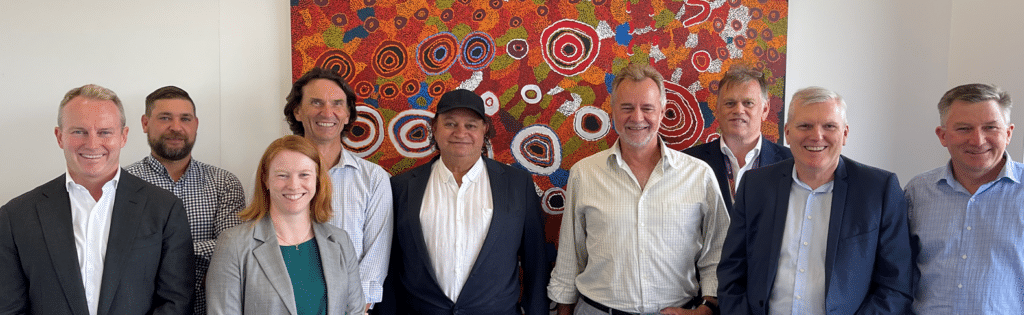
[543,68]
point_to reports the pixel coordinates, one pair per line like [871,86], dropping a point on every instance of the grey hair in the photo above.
[813,95]
[636,73]
[974,93]
[90,91]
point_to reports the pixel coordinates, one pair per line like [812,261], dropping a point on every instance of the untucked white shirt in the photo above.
[738,171]
[455,222]
[91,221]
[799,286]
[639,250]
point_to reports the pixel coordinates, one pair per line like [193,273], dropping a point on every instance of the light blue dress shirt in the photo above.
[969,248]
[799,286]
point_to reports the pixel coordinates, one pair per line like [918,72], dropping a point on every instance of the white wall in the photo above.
[890,59]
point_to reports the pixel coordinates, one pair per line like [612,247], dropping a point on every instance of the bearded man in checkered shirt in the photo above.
[212,196]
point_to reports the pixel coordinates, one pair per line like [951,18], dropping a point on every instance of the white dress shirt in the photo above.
[455,222]
[799,286]
[738,171]
[639,250]
[91,220]
[361,199]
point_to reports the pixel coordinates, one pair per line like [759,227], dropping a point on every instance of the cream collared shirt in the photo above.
[455,221]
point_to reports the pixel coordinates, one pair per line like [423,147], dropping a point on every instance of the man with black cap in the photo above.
[464,224]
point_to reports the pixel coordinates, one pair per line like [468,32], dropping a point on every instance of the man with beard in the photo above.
[212,196]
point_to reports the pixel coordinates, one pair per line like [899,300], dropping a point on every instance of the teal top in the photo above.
[307,275]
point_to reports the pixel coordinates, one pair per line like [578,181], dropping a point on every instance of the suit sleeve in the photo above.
[732,268]
[890,291]
[391,290]
[175,279]
[224,279]
[13,286]
[531,251]
[356,299]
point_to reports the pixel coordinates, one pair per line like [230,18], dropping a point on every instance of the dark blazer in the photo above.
[711,153]
[148,267]
[867,260]
[515,238]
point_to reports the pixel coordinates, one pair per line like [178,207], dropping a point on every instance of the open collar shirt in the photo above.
[969,248]
[361,199]
[455,220]
[799,286]
[212,197]
[91,221]
[735,164]
[639,250]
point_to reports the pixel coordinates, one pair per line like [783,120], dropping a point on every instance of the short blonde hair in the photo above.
[90,91]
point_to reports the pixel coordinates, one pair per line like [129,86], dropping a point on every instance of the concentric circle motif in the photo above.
[683,123]
[389,90]
[389,59]
[367,132]
[591,123]
[570,47]
[409,132]
[553,200]
[701,60]
[517,48]
[491,103]
[477,51]
[437,53]
[531,94]
[436,88]
[538,149]
[363,89]
[339,62]
[410,87]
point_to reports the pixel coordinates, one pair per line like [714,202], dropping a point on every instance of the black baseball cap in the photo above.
[461,99]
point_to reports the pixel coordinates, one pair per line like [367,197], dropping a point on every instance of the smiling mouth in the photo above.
[293,196]
[91,156]
[814,149]
[322,124]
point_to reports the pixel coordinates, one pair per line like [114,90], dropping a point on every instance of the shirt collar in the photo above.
[70,183]
[1009,172]
[346,159]
[728,152]
[159,167]
[668,160]
[471,176]
[827,187]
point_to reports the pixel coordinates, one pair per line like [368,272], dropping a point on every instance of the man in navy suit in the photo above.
[742,106]
[464,224]
[97,240]
[819,233]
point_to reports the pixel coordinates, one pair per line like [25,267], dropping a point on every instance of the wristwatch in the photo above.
[712,306]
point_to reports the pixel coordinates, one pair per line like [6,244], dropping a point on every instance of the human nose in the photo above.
[976,138]
[177,125]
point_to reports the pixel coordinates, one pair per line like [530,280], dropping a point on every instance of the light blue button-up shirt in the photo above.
[799,286]
[969,248]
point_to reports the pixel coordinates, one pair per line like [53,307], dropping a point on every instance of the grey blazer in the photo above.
[248,276]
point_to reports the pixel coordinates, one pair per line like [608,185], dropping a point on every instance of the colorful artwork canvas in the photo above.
[544,69]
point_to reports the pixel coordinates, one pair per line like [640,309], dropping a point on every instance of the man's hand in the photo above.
[700,310]
[565,309]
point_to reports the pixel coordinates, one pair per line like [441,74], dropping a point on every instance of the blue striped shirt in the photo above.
[969,249]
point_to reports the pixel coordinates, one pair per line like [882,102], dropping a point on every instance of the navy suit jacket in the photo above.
[867,260]
[711,153]
[148,267]
[515,238]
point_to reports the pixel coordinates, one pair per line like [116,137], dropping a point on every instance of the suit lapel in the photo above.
[417,187]
[499,189]
[717,163]
[835,223]
[59,235]
[330,255]
[778,220]
[124,225]
[271,262]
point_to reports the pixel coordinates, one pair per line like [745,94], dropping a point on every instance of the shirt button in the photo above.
[797,297]
[960,286]
[801,270]
[968,228]
[805,243]
[964,256]
[808,217]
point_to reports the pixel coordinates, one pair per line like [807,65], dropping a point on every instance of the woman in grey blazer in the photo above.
[290,261]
